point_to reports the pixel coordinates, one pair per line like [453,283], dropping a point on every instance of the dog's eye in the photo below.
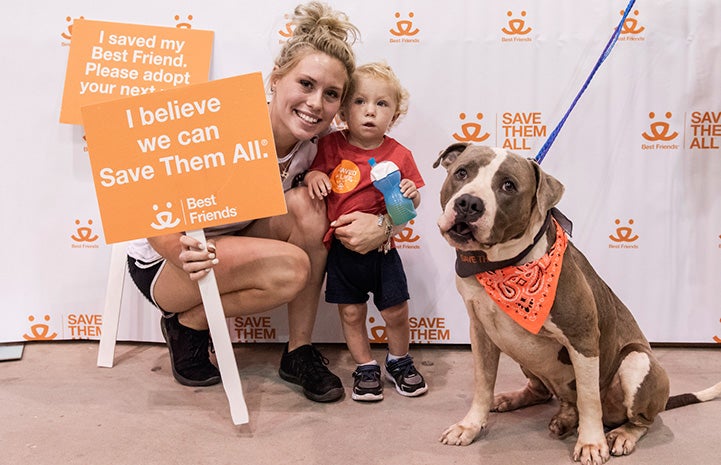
[508,186]
[461,174]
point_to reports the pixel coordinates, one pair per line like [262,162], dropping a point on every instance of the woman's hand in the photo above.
[359,232]
[196,259]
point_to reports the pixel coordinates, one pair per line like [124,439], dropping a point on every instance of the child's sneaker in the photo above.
[367,384]
[404,375]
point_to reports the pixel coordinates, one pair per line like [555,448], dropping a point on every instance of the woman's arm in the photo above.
[361,232]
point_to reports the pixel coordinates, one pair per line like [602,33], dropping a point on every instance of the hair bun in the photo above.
[316,19]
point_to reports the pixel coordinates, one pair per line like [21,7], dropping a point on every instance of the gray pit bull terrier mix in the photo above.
[572,336]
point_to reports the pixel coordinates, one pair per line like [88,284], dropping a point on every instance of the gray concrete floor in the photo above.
[57,407]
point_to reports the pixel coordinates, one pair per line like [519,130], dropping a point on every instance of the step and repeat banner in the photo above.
[639,156]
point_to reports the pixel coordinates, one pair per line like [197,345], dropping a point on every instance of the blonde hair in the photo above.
[318,28]
[381,70]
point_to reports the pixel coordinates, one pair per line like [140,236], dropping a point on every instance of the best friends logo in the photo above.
[183,24]
[632,28]
[40,331]
[67,34]
[660,133]
[624,236]
[407,238]
[286,31]
[516,29]
[404,30]
[471,131]
[84,236]
[518,130]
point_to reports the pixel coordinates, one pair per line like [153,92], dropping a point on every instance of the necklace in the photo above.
[284,167]
[285,162]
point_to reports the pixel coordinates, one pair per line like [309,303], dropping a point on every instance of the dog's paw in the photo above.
[591,454]
[620,444]
[560,429]
[507,401]
[460,434]
[564,422]
[622,440]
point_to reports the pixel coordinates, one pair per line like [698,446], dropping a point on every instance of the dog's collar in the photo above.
[469,263]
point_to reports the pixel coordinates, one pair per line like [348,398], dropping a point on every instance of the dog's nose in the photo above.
[468,207]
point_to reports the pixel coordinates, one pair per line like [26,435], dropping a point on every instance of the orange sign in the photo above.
[115,60]
[184,159]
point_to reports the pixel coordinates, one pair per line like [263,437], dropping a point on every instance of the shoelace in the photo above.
[319,361]
[199,342]
[404,366]
[366,373]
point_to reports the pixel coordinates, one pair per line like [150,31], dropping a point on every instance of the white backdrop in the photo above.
[639,156]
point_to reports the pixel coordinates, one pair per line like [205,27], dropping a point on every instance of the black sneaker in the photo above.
[367,384]
[404,375]
[306,367]
[189,357]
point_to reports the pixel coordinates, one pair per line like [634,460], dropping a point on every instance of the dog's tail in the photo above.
[681,400]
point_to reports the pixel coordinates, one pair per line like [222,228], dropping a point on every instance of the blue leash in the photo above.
[606,51]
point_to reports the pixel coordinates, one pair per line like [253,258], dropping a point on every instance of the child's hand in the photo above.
[318,184]
[408,189]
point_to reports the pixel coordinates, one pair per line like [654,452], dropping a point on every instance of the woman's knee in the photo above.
[309,215]
[292,273]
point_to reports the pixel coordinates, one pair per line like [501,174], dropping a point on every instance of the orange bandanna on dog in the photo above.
[526,292]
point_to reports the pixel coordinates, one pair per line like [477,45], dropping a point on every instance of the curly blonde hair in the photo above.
[381,70]
[318,28]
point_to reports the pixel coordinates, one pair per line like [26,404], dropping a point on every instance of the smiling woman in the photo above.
[260,265]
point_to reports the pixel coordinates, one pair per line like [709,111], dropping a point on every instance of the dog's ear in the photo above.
[449,155]
[549,190]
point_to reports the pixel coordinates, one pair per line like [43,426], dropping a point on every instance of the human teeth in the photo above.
[307,118]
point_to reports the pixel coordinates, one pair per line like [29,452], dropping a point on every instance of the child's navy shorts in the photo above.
[351,276]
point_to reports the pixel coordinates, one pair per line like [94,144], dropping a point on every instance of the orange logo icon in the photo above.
[407,235]
[404,27]
[716,338]
[471,132]
[660,129]
[68,34]
[516,26]
[624,233]
[39,331]
[345,177]
[84,233]
[377,333]
[287,33]
[184,25]
[630,25]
